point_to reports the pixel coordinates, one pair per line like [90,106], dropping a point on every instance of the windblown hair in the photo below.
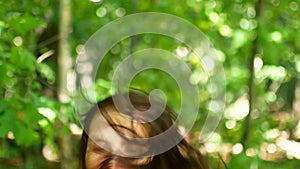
[181,156]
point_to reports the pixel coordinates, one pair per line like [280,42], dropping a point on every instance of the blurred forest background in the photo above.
[258,42]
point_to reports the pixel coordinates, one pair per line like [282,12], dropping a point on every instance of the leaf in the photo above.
[47,113]
[23,135]
[7,120]
[28,60]
[3,105]
[32,116]
[22,24]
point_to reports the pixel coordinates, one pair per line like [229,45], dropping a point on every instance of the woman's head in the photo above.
[110,133]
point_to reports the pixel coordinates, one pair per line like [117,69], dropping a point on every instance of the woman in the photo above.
[180,156]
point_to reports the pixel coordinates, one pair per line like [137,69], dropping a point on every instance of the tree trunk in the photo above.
[64,66]
[251,83]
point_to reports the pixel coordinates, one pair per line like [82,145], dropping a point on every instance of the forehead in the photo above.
[110,133]
[96,158]
[102,134]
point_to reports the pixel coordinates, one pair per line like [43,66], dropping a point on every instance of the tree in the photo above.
[257,42]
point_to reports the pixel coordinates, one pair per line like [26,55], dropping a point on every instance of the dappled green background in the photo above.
[258,44]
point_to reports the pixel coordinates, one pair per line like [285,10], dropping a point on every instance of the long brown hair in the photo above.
[181,156]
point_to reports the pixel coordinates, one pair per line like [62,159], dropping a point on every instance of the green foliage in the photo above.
[21,93]
[29,108]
